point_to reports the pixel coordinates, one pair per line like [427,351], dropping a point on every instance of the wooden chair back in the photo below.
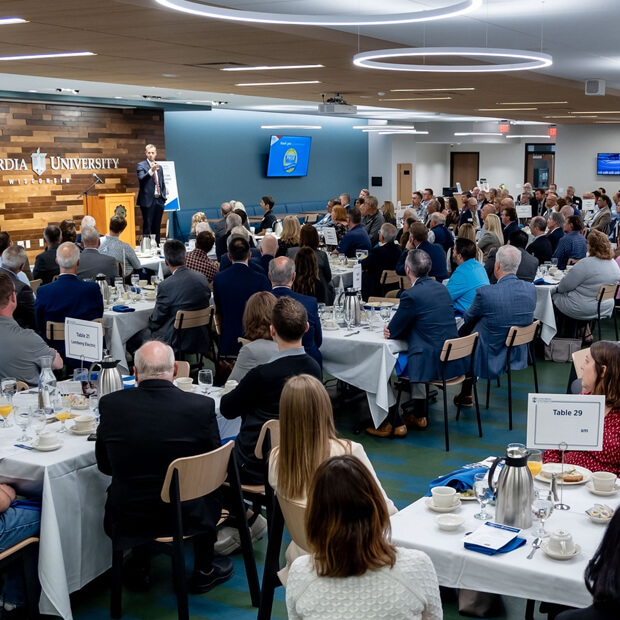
[606,292]
[390,277]
[198,475]
[295,519]
[55,330]
[458,348]
[187,319]
[579,357]
[522,335]
[243,341]
[183,369]
[22,386]
[217,323]
[312,218]
[273,426]
[35,284]
[392,300]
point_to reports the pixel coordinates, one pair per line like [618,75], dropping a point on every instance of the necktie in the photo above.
[155,176]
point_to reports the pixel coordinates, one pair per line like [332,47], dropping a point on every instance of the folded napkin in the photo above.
[123,309]
[515,543]
[461,479]
[541,281]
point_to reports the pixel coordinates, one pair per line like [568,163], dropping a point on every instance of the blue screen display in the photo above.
[288,156]
[608,164]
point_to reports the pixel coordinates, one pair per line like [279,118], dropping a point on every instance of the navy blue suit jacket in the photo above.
[146,194]
[508,230]
[231,290]
[443,237]
[555,237]
[255,263]
[425,318]
[439,269]
[313,338]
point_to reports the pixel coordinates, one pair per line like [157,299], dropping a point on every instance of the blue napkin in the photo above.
[123,309]
[540,281]
[461,479]
[401,368]
[515,543]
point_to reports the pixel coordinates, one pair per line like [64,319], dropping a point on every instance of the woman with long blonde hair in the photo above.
[493,237]
[289,238]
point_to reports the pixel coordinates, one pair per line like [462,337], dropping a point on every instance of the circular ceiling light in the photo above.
[217,12]
[528,60]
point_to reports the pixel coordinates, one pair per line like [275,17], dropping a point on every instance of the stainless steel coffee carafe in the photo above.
[109,379]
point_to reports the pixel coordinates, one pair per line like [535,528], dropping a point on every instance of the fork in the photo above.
[535,545]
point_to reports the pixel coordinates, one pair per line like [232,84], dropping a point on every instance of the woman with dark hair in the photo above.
[68,230]
[404,237]
[355,571]
[452,213]
[601,376]
[307,280]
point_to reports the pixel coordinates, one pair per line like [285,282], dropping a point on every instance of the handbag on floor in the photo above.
[475,604]
[562,349]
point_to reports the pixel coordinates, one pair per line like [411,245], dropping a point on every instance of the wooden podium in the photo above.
[104,206]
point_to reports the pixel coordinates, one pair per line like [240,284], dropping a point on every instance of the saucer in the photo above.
[48,448]
[431,506]
[331,327]
[560,556]
[594,491]
[74,431]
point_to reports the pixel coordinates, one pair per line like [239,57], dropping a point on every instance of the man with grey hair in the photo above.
[372,218]
[282,276]
[382,257]
[219,227]
[13,259]
[541,246]
[92,262]
[425,319]
[134,511]
[67,296]
[443,236]
[87,221]
[495,309]
[555,228]
[232,220]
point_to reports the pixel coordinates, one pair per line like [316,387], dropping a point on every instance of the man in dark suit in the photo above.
[221,243]
[528,265]
[255,262]
[152,193]
[425,318]
[92,263]
[137,440]
[231,289]
[555,228]
[509,219]
[45,265]
[418,239]
[541,247]
[539,206]
[67,296]
[282,276]
[219,227]
[382,257]
[257,397]
[495,309]
[268,251]
[443,236]
[13,259]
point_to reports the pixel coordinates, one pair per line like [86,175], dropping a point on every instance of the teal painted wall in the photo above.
[222,155]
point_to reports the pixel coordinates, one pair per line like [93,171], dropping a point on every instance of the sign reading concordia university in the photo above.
[39,166]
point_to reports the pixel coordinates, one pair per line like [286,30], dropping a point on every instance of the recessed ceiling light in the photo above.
[277,83]
[381,127]
[117,97]
[477,133]
[531,102]
[607,122]
[528,136]
[33,91]
[206,10]
[393,133]
[169,75]
[291,127]
[7,21]
[271,68]
[419,99]
[599,112]
[427,90]
[39,56]
[504,109]
[562,116]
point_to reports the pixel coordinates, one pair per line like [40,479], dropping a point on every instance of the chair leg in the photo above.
[509,399]
[445,414]
[270,572]
[29,563]
[475,386]
[598,321]
[535,371]
[178,578]
[613,313]
[117,584]
[488,392]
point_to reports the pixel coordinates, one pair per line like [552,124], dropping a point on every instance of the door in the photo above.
[404,183]
[539,167]
[464,169]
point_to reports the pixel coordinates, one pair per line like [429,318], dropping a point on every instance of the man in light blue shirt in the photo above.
[467,277]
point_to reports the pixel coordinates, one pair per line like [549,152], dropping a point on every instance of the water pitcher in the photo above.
[47,384]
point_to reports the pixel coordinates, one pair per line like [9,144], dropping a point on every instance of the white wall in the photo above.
[432,167]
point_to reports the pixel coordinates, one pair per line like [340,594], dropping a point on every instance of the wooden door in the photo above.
[404,183]
[464,169]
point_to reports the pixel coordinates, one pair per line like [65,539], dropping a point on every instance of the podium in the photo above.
[104,206]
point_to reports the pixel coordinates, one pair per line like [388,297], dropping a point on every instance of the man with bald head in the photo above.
[177,424]
[67,296]
[468,214]
[219,227]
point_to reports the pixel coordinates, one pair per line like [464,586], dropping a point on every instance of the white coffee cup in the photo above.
[185,383]
[47,439]
[443,497]
[561,543]
[603,480]
[230,385]
[84,422]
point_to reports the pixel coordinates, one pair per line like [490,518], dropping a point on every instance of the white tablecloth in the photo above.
[511,574]
[153,262]
[365,360]
[544,311]
[342,274]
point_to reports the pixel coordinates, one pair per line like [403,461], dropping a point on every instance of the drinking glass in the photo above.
[38,421]
[359,254]
[23,417]
[385,313]
[542,507]
[321,308]
[554,262]
[5,410]
[364,254]
[483,495]
[349,315]
[342,259]
[534,462]
[135,280]
[63,415]
[9,387]
[205,380]
[93,405]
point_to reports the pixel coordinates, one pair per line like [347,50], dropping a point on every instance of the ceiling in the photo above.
[144,49]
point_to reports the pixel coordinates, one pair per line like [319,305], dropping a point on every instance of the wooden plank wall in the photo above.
[68,131]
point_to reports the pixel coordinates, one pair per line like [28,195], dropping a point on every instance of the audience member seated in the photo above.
[87,220]
[372,218]
[67,297]
[443,236]
[555,228]
[575,297]
[403,237]
[269,219]
[528,265]
[469,276]
[25,275]
[256,322]
[389,214]
[356,238]
[92,262]
[382,257]
[257,397]
[326,220]
[354,571]
[601,377]
[602,218]
[425,319]
[68,230]
[572,244]
[198,259]
[282,275]
[111,245]
[219,227]
[134,511]
[22,349]
[469,212]
[307,281]
[268,251]
[13,259]
[418,239]
[231,290]
[232,221]
[339,221]
[289,238]
[256,258]
[452,213]
[541,247]
[493,237]
[307,438]
[509,220]
[197,218]
[45,265]
[495,309]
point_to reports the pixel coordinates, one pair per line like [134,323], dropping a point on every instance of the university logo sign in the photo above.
[38,162]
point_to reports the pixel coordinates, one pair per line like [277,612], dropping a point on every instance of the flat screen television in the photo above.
[288,156]
[608,164]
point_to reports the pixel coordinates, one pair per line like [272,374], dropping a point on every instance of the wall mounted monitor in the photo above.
[608,164]
[288,156]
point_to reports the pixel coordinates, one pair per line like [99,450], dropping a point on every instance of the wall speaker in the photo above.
[595,87]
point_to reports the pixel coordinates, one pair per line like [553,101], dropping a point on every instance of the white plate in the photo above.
[467,498]
[594,491]
[560,556]
[85,432]
[48,448]
[431,506]
[587,474]
[331,328]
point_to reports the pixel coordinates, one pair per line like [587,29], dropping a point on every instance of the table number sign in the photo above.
[588,204]
[330,236]
[524,211]
[84,339]
[357,277]
[576,420]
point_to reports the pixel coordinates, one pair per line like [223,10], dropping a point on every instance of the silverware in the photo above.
[352,334]
[535,545]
